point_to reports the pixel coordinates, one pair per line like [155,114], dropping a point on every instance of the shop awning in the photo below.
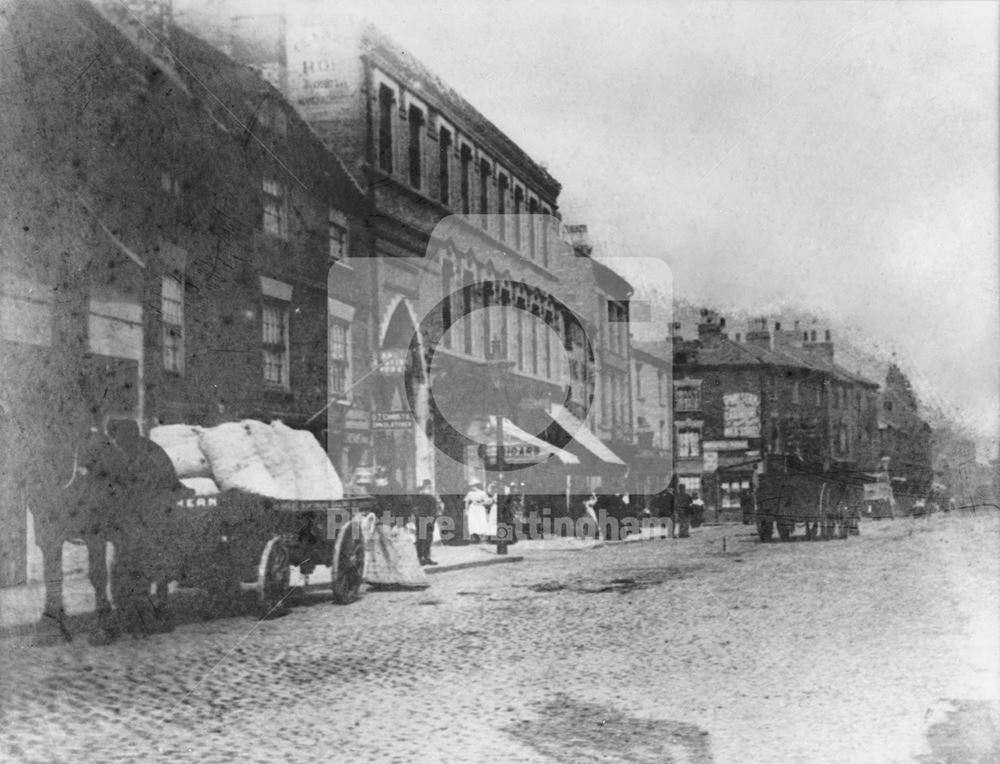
[580,434]
[519,447]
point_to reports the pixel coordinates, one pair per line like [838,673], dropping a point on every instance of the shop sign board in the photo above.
[392,420]
[357,419]
[711,463]
[516,454]
[726,445]
[392,361]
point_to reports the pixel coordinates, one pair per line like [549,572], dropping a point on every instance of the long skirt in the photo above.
[476,521]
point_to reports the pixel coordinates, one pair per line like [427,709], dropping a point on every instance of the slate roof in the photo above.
[722,351]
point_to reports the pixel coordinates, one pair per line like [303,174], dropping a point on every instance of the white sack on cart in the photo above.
[181,443]
[391,557]
[315,477]
[277,459]
[201,486]
[236,465]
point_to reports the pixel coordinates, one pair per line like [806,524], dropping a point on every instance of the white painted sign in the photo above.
[741,415]
[726,445]
[711,462]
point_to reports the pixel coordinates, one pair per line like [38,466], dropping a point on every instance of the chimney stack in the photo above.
[820,343]
[711,325]
[757,333]
[579,238]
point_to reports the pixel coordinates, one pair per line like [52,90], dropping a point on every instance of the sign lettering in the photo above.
[392,420]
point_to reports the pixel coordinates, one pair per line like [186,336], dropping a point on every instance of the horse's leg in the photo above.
[97,564]
[51,546]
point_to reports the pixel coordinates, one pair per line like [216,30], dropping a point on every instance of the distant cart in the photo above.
[236,545]
[824,503]
[879,500]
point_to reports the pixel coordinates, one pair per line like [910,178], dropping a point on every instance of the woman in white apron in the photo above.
[477,503]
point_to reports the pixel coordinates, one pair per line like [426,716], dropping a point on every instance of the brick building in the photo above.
[652,396]
[736,403]
[905,438]
[167,234]
[470,267]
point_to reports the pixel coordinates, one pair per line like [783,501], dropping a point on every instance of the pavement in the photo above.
[21,606]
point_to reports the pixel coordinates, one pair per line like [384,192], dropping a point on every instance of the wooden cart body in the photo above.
[235,543]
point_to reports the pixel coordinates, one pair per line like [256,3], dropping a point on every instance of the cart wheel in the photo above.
[348,563]
[272,578]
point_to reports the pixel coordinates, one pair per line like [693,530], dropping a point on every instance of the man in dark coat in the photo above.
[682,509]
[143,487]
[663,504]
[427,507]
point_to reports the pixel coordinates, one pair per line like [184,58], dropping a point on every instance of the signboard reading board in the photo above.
[515,454]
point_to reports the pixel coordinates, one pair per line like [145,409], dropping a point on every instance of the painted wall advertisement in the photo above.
[322,61]
[741,415]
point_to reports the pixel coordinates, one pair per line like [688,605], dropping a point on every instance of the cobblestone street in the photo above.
[663,650]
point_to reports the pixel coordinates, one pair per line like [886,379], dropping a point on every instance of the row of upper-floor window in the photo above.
[275,322]
[115,327]
[614,399]
[688,435]
[662,383]
[449,167]
[688,397]
[275,221]
[277,211]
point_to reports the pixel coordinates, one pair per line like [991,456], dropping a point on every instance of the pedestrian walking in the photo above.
[682,510]
[493,509]
[697,510]
[608,503]
[591,512]
[394,508]
[747,508]
[663,505]
[427,507]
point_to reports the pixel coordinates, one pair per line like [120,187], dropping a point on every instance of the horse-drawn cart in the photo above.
[239,549]
[825,503]
[237,545]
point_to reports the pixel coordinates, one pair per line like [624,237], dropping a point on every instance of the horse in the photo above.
[85,484]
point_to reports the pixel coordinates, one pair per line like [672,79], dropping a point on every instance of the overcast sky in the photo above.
[837,156]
